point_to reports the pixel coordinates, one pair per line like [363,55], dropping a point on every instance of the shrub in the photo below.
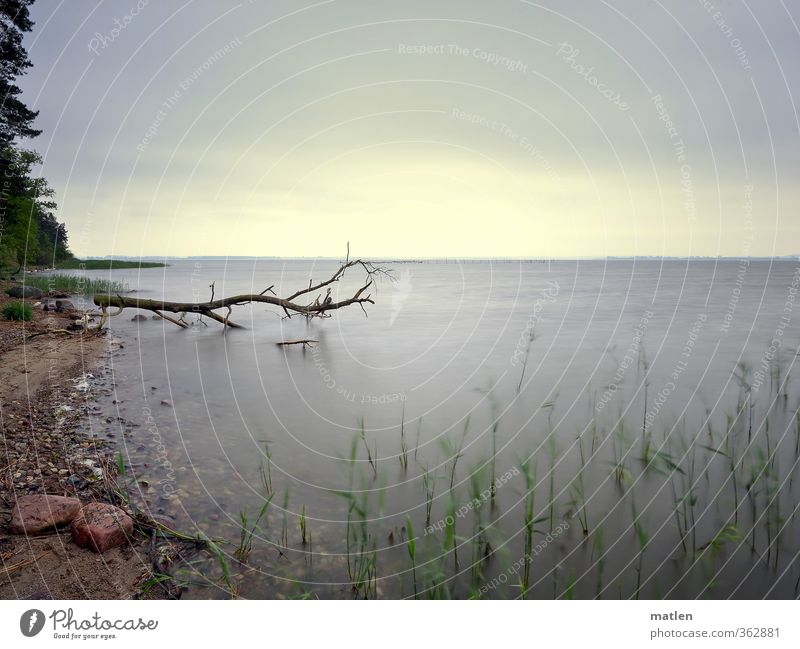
[17,311]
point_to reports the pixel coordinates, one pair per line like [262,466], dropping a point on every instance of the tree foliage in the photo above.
[30,233]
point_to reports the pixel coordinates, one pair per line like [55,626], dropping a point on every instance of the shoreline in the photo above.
[48,384]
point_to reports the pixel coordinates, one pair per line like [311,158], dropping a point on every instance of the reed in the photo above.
[450,542]
[351,460]
[578,492]
[216,550]
[419,434]
[529,476]
[691,463]
[303,527]
[285,519]
[429,485]
[690,497]
[403,457]
[495,409]
[754,488]
[121,489]
[730,455]
[599,551]
[481,549]
[242,552]
[454,452]
[157,579]
[645,366]
[75,284]
[531,338]
[362,552]
[742,377]
[411,545]
[370,458]
[621,448]
[569,592]
[552,449]
[728,534]
[678,508]
[265,469]
[643,540]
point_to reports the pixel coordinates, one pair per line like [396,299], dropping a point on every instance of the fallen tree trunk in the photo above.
[319,308]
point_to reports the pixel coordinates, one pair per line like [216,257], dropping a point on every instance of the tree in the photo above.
[16,119]
[29,230]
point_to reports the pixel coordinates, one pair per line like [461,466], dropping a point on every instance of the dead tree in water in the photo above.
[319,308]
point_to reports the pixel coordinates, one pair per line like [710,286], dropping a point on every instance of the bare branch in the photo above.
[305,343]
[169,319]
[319,308]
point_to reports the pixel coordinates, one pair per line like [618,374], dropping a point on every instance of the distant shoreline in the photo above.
[149,261]
[107,264]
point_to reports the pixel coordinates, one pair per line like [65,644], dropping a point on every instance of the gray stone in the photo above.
[64,305]
[22,290]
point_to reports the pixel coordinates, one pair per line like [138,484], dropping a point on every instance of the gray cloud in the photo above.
[162,118]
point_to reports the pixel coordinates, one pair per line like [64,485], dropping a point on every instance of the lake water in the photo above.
[654,401]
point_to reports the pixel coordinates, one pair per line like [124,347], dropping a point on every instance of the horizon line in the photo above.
[795,256]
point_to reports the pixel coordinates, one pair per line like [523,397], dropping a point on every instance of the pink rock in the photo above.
[40,512]
[101,527]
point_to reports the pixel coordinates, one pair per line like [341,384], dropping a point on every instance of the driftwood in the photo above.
[319,308]
[66,332]
[305,343]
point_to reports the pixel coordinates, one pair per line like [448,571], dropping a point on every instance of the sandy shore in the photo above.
[44,392]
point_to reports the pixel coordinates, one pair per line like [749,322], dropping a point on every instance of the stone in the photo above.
[166,402]
[138,318]
[62,306]
[41,512]
[100,527]
[163,519]
[22,290]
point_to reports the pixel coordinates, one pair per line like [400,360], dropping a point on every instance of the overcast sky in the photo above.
[421,128]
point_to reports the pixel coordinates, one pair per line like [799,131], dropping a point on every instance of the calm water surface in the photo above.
[630,388]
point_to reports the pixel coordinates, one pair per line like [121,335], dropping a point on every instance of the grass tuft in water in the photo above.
[248,531]
[76,284]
